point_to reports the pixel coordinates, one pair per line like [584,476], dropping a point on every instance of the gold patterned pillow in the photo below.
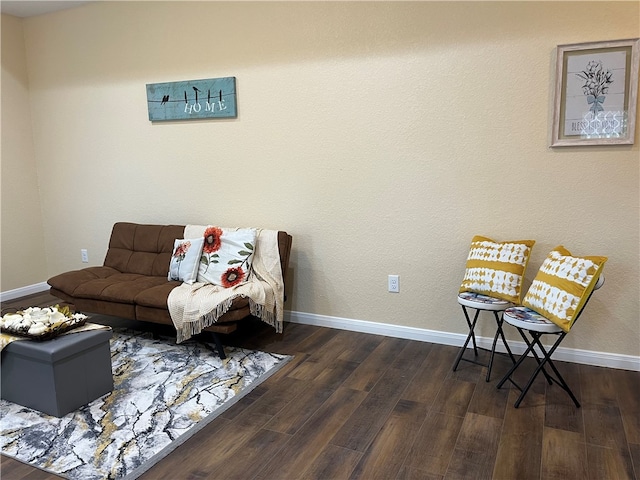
[497,268]
[563,285]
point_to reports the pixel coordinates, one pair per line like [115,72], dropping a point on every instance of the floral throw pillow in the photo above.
[226,256]
[185,260]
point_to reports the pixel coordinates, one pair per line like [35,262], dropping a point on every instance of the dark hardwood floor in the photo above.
[358,406]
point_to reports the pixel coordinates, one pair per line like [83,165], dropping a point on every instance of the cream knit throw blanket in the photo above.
[196,307]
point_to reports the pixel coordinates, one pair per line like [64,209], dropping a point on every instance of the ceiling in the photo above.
[28,8]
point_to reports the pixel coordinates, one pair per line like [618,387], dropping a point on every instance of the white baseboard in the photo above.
[586,357]
[23,291]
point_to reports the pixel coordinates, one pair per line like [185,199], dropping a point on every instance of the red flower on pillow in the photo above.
[233,276]
[179,254]
[212,240]
[182,250]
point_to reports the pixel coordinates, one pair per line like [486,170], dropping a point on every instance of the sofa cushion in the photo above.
[68,282]
[156,296]
[142,249]
[114,309]
[120,288]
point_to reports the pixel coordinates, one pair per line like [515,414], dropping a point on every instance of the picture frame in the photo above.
[596,92]
[192,99]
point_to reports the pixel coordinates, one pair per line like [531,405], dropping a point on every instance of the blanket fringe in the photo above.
[268,317]
[190,329]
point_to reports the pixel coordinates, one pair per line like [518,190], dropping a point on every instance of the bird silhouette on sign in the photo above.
[196,90]
[165,99]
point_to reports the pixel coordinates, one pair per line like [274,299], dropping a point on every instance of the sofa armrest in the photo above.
[284,249]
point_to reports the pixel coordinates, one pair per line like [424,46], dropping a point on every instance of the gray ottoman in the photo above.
[57,376]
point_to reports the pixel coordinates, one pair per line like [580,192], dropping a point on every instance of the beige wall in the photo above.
[382,136]
[23,258]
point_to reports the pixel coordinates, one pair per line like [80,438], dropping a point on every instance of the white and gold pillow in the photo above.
[497,269]
[563,285]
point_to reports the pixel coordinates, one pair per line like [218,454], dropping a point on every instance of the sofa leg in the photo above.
[155,331]
[219,347]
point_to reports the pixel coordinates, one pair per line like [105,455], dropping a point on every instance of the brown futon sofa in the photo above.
[133,283]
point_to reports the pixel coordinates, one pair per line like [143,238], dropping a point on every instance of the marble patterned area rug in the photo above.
[163,394]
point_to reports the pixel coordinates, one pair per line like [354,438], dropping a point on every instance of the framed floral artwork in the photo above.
[596,92]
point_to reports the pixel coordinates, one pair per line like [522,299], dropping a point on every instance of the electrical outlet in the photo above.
[85,255]
[394,283]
